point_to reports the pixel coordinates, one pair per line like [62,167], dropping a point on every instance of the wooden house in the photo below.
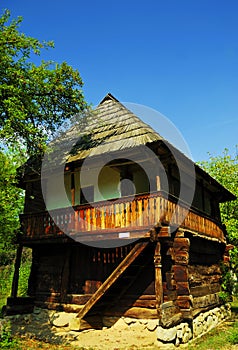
[130,246]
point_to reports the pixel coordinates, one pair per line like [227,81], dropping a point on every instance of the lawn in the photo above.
[223,337]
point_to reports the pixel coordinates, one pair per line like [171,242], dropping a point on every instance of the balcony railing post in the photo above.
[129,213]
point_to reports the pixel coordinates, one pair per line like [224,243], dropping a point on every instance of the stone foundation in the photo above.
[186,331]
[56,326]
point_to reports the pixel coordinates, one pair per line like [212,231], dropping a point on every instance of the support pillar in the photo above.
[158,277]
[16,271]
[65,275]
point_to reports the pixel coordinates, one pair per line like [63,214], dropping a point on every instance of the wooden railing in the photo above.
[140,213]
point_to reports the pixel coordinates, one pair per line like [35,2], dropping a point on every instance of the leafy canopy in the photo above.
[11,204]
[34,100]
[224,168]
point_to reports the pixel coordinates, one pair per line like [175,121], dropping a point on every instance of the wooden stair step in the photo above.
[125,263]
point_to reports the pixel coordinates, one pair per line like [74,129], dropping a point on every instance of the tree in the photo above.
[34,100]
[11,204]
[224,169]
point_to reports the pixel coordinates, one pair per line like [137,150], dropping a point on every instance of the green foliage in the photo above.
[6,339]
[228,283]
[233,336]
[24,272]
[224,169]
[34,100]
[11,204]
[6,275]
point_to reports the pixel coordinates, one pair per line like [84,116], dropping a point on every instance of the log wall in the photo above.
[69,274]
[64,275]
[85,266]
[191,277]
[34,201]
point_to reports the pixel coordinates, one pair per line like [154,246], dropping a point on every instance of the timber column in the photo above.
[180,269]
[16,271]
[158,278]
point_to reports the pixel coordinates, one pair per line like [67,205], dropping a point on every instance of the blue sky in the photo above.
[179,57]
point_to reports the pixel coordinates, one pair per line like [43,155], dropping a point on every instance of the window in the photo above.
[86,195]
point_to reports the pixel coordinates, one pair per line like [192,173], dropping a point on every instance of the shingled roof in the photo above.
[110,127]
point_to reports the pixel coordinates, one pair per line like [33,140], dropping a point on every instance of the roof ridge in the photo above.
[109,96]
[136,118]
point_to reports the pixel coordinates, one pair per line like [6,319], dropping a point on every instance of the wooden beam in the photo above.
[16,272]
[126,262]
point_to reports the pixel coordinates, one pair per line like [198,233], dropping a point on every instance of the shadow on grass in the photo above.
[34,326]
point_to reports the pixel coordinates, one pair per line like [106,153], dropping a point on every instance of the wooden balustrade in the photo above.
[141,212]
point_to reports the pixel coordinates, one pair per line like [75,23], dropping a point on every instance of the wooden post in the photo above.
[65,276]
[16,272]
[158,183]
[72,189]
[158,277]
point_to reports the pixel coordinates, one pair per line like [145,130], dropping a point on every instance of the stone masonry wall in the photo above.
[52,326]
[186,331]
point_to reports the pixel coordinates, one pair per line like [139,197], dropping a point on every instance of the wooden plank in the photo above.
[170,314]
[206,289]
[206,301]
[141,297]
[180,273]
[149,304]
[134,253]
[79,299]
[134,312]
[182,288]
[184,301]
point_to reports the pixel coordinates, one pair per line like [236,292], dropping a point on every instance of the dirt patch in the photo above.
[121,335]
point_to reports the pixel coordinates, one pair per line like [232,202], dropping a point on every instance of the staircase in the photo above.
[129,285]
[120,281]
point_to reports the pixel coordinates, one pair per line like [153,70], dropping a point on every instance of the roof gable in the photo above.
[110,127]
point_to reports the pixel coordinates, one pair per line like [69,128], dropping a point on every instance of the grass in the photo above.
[223,337]
[6,274]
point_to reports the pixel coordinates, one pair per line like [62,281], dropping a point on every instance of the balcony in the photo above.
[127,217]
